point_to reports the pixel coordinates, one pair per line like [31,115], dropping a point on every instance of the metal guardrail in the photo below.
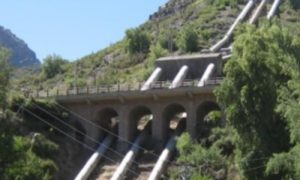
[116,88]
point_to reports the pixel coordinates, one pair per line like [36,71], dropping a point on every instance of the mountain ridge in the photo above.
[21,54]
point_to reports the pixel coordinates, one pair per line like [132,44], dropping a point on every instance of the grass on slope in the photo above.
[210,19]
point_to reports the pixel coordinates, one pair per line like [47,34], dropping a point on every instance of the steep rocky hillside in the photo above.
[21,54]
[208,19]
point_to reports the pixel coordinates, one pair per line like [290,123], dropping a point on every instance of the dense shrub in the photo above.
[196,161]
[53,65]
[222,3]
[138,41]
[188,40]
[4,75]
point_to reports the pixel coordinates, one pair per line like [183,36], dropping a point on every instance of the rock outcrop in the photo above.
[21,54]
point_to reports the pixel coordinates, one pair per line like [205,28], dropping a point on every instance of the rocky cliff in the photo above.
[21,54]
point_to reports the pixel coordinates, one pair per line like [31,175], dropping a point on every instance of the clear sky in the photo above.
[73,28]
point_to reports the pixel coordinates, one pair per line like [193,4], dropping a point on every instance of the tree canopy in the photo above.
[263,64]
[188,40]
[53,65]
[138,41]
[4,74]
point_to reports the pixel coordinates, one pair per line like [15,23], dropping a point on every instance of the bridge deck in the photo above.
[127,90]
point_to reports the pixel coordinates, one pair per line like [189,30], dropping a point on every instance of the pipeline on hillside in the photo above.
[130,155]
[152,79]
[167,152]
[257,12]
[90,165]
[206,75]
[255,15]
[271,13]
[229,33]
[273,9]
[179,77]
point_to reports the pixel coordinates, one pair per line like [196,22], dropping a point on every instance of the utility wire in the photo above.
[71,137]
[80,132]
[113,134]
[168,161]
[107,131]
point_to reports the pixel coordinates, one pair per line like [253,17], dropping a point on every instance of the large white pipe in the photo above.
[179,77]
[152,79]
[258,11]
[256,14]
[206,75]
[229,33]
[273,9]
[130,156]
[166,153]
[94,159]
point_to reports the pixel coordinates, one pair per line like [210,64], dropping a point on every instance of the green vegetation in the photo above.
[256,81]
[138,41]
[222,3]
[260,95]
[28,147]
[52,66]
[18,157]
[4,75]
[261,98]
[191,28]
[209,157]
[188,40]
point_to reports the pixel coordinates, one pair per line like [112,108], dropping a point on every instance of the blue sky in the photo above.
[73,29]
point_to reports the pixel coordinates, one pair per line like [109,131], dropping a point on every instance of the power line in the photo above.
[170,162]
[107,131]
[71,137]
[80,132]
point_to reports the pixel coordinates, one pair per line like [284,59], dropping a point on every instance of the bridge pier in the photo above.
[159,127]
[124,133]
[191,119]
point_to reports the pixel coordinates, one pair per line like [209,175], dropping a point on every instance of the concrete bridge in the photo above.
[129,109]
[162,99]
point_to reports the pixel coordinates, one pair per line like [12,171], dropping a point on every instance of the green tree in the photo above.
[254,75]
[222,3]
[24,156]
[22,163]
[167,39]
[138,41]
[4,75]
[188,39]
[197,161]
[287,164]
[53,65]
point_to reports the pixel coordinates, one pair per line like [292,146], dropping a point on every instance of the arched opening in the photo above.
[107,119]
[173,115]
[208,116]
[140,118]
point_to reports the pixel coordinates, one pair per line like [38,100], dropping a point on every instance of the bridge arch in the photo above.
[171,116]
[138,118]
[107,119]
[202,112]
